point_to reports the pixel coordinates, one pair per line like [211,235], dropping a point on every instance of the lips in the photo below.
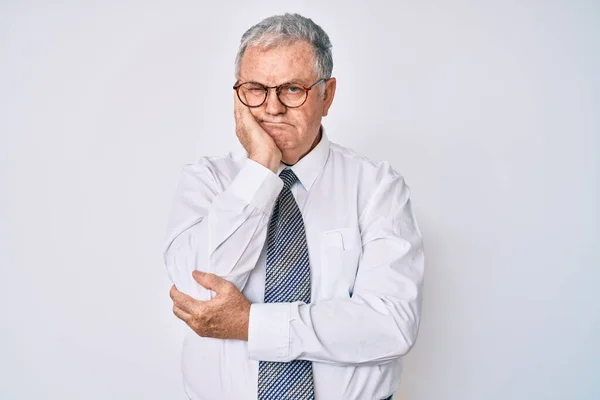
[274,128]
[272,122]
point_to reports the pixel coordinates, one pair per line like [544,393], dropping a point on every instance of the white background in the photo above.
[489,109]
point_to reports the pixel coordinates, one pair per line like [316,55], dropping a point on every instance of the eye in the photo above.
[293,89]
[253,88]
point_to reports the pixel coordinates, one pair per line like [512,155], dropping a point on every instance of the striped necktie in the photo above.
[287,280]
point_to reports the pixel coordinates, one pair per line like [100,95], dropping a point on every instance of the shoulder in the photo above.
[377,187]
[367,172]
[213,170]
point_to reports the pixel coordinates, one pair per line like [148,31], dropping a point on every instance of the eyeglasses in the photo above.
[291,95]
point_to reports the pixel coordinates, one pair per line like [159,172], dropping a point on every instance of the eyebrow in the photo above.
[297,81]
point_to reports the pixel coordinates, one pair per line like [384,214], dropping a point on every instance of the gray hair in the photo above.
[288,29]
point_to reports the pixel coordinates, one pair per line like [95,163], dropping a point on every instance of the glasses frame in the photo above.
[277,91]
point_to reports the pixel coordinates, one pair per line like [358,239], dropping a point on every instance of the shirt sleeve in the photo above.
[379,322]
[221,231]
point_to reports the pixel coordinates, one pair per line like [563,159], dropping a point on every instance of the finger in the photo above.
[211,281]
[237,106]
[181,314]
[240,110]
[183,301]
[241,122]
[243,114]
[173,291]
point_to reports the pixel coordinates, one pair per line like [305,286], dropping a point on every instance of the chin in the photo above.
[289,158]
[283,140]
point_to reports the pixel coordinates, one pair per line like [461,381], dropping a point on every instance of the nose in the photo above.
[272,104]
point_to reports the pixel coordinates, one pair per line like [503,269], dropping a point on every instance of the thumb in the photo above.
[209,281]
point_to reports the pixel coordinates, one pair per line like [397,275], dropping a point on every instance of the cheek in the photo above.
[306,119]
[312,120]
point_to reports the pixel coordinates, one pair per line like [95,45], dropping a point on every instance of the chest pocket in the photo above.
[340,253]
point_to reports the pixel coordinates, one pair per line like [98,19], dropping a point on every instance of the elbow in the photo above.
[407,320]
[407,342]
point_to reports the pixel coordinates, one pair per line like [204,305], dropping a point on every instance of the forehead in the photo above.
[278,64]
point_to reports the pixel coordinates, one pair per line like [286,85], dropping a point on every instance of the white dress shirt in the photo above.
[366,263]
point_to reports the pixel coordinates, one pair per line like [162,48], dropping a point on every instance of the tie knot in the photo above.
[288,177]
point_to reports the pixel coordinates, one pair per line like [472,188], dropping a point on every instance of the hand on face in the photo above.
[258,144]
[273,132]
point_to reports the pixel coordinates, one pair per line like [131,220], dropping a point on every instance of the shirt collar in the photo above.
[308,168]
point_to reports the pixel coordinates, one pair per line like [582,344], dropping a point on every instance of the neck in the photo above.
[289,162]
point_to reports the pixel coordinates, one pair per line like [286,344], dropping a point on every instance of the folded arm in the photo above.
[218,230]
[381,319]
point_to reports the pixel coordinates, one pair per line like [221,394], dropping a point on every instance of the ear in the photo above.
[328,95]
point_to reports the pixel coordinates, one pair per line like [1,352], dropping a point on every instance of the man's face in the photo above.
[294,130]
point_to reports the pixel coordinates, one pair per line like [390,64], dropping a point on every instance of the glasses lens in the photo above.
[252,94]
[292,95]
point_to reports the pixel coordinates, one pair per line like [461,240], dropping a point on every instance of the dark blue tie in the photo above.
[287,280]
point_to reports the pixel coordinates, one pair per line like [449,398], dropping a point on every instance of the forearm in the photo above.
[222,234]
[364,330]
[378,322]
[233,258]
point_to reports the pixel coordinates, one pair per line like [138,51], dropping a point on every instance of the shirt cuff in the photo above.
[257,185]
[269,332]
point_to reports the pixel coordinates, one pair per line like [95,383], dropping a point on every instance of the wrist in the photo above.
[270,161]
[245,323]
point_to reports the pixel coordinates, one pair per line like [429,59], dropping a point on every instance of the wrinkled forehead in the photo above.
[273,63]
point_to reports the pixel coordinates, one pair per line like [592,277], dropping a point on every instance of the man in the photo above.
[299,266]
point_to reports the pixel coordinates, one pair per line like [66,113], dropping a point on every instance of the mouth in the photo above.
[272,122]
